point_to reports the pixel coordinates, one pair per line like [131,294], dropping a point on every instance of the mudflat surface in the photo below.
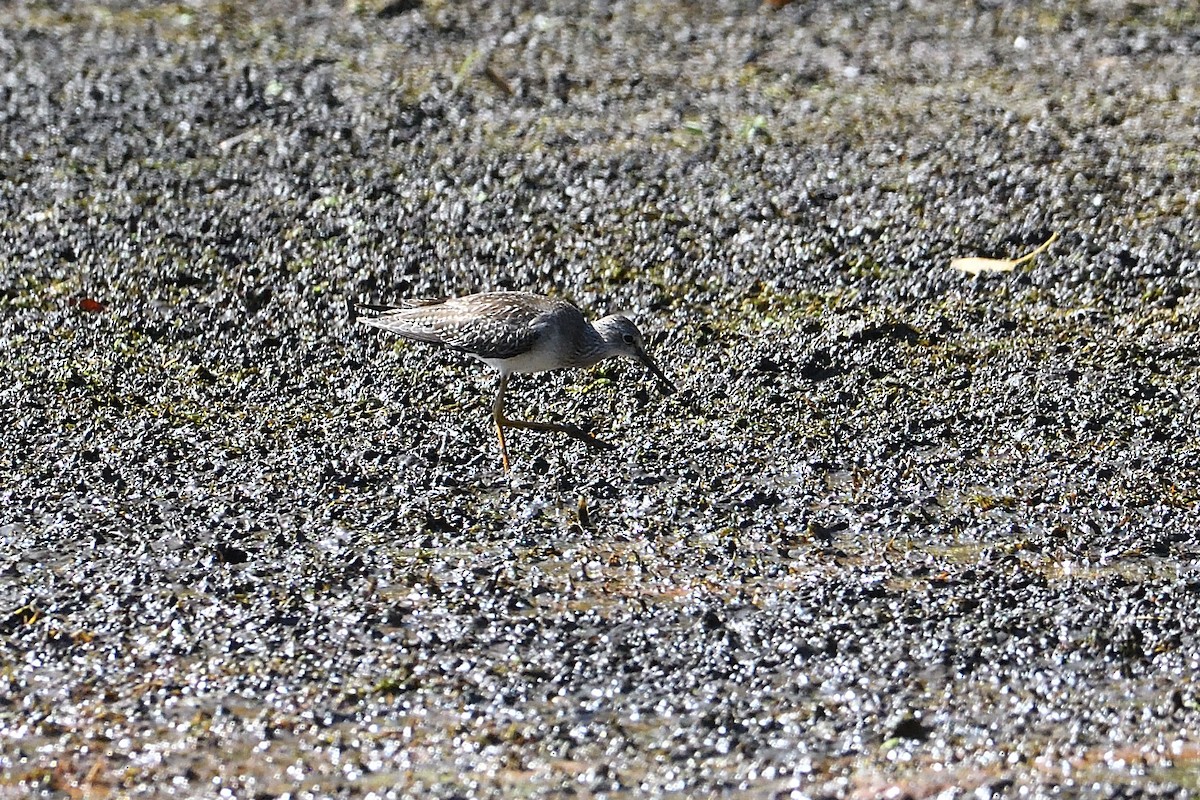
[902,532]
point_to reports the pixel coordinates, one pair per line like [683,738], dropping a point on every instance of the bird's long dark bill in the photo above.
[664,382]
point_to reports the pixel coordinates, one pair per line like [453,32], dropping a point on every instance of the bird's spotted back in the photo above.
[492,325]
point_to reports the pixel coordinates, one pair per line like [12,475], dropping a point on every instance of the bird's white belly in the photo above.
[545,355]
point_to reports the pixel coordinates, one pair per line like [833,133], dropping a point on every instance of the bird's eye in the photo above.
[628,338]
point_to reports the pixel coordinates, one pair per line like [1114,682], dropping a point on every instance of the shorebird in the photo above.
[515,332]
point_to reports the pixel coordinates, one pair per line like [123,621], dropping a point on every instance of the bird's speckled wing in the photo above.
[490,325]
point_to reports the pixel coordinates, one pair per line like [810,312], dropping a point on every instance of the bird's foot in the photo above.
[591,441]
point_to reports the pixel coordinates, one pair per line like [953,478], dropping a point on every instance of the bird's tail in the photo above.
[362,311]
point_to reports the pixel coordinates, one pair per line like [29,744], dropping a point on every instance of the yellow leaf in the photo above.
[975,265]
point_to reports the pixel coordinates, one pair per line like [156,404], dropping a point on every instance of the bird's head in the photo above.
[624,339]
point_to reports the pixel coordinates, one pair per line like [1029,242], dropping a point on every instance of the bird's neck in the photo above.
[592,350]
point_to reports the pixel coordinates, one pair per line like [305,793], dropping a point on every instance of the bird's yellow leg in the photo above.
[503,422]
[554,427]
[503,447]
[498,416]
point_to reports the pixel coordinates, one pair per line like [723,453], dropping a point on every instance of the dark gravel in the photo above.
[902,533]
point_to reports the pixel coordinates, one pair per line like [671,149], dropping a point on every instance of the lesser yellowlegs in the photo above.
[515,332]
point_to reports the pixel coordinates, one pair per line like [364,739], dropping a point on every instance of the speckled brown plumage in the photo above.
[515,332]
